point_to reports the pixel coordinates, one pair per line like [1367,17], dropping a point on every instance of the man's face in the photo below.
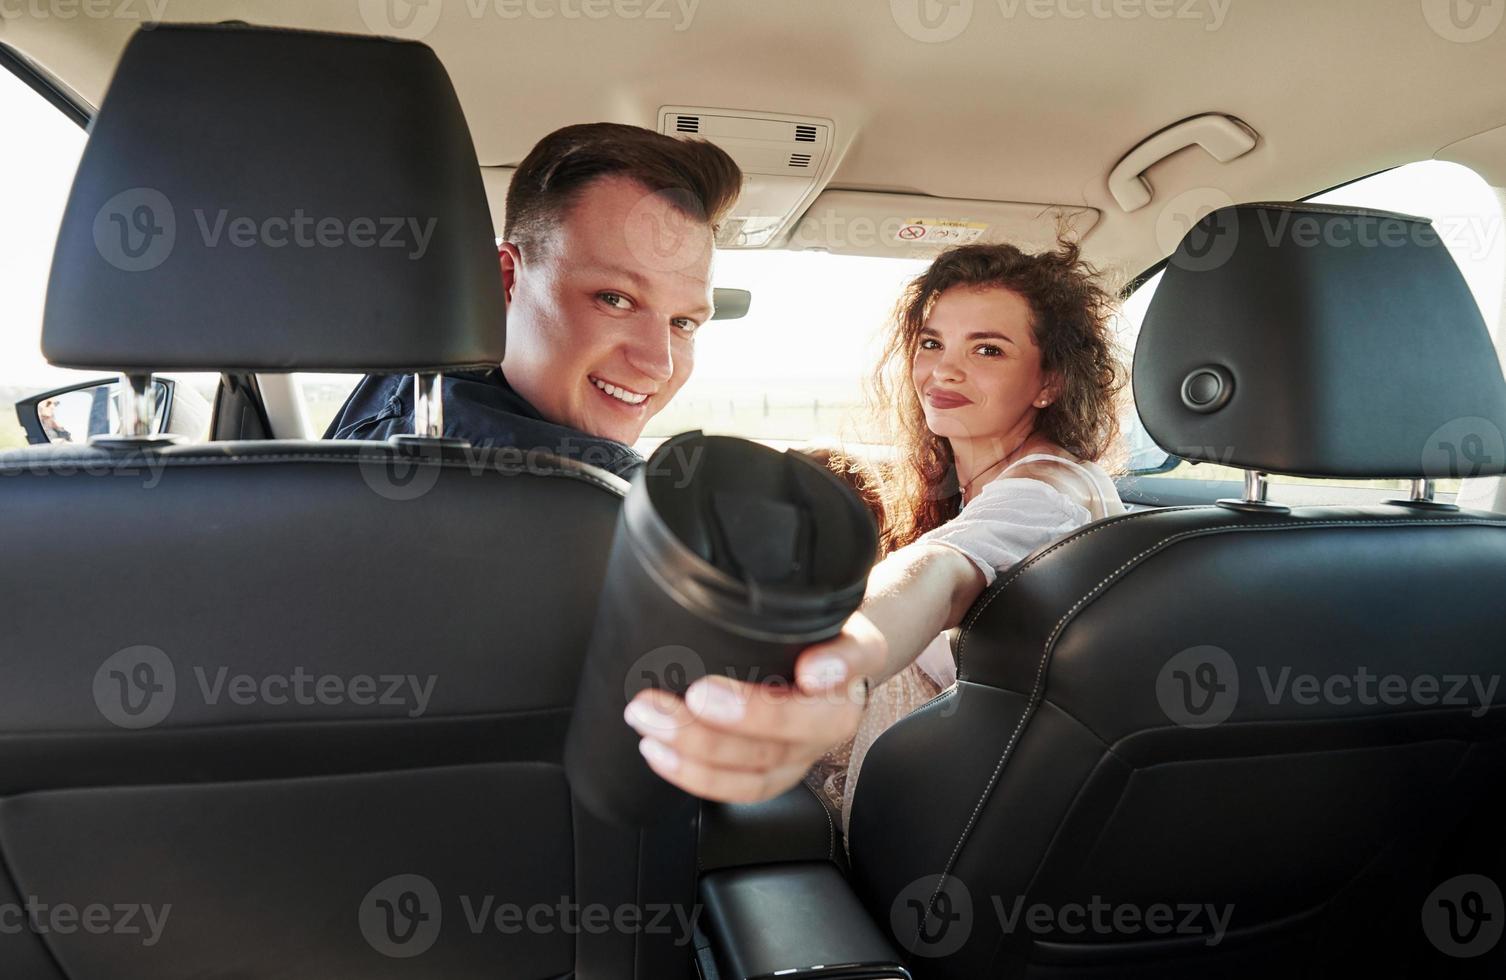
[602,315]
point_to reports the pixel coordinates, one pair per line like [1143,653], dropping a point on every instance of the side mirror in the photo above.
[77,413]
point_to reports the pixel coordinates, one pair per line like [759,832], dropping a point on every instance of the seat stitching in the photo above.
[1036,688]
[1020,569]
[831,830]
[503,469]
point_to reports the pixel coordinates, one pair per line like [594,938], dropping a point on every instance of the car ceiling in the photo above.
[1017,107]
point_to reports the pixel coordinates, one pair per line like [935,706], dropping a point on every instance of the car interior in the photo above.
[1251,727]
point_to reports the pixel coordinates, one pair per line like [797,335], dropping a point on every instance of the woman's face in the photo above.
[977,369]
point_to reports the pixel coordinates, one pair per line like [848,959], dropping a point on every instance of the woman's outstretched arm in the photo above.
[738,742]
[914,594]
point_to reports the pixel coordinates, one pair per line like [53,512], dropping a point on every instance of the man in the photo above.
[607,268]
[606,265]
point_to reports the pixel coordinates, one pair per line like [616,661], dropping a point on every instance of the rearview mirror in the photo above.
[731,304]
[77,413]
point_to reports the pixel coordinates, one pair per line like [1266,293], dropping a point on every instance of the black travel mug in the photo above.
[729,558]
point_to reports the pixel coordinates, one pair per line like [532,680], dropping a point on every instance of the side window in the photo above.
[42,152]
[1468,215]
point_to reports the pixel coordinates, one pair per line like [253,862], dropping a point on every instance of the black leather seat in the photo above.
[304,703]
[1234,740]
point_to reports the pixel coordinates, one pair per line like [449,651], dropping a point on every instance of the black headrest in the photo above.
[276,200]
[1320,341]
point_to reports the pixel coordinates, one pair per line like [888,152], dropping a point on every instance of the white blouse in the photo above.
[1011,517]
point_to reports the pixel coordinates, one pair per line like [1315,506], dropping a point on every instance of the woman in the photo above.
[1003,376]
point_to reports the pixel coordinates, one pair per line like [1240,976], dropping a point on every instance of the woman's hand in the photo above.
[738,742]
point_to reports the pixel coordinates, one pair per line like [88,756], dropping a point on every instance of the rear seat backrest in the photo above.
[304,701]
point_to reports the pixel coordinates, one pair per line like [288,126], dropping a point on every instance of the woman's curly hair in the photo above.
[1072,315]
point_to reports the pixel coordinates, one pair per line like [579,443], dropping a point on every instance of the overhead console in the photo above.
[785,161]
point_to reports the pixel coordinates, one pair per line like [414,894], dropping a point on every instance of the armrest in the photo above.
[795,921]
[794,826]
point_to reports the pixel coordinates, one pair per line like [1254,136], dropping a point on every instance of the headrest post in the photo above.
[1422,497]
[1254,500]
[1257,489]
[138,406]
[428,405]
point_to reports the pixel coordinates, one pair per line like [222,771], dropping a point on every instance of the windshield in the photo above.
[792,370]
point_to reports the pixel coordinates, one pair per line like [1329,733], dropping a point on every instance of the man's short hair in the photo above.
[697,177]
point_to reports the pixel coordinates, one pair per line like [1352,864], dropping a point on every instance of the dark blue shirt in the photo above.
[480,407]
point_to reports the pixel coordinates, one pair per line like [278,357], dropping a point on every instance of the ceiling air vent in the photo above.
[785,160]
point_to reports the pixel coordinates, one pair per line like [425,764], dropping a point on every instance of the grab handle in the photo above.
[1224,137]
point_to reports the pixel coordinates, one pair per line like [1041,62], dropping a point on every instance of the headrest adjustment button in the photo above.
[1207,389]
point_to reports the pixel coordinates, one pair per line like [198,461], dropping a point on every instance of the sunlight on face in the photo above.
[601,322]
[977,369]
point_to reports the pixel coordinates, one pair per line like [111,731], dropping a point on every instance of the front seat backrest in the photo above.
[1229,740]
[298,708]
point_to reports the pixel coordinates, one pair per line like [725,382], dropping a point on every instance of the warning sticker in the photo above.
[939,231]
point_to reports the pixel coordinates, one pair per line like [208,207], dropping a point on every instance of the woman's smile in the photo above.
[941,398]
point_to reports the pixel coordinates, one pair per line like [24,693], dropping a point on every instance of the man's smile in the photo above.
[618,393]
